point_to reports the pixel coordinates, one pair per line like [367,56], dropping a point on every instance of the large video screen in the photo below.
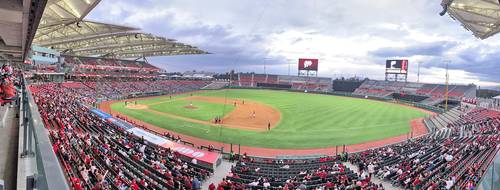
[396,66]
[308,64]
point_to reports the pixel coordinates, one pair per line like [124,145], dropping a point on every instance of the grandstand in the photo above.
[320,84]
[429,94]
[349,85]
[91,67]
[62,128]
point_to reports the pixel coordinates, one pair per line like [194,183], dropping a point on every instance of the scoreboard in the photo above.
[399,66]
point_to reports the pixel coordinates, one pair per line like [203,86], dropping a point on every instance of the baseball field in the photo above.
[273,119]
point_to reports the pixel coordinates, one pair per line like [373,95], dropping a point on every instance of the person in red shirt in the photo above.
[432,186]
[76,183]
[87,160]
[211,186]
[168,174]
[187,183]
[55,147]
[329,185]
[134,185]
[220,187]
[416,181]
[8,91]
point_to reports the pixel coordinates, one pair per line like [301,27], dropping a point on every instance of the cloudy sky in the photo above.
[349,38]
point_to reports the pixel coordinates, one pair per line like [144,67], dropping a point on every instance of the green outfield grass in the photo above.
[307,120]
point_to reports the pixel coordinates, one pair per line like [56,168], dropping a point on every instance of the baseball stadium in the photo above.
[98,95]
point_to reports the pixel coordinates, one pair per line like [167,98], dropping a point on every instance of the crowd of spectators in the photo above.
[457,162]
[97,154]
[476,121]
[7,82]
[113,89]
[427,162]
[432,91]
[319,173]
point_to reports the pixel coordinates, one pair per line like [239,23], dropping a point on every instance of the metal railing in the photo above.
[491,177]
[48,173]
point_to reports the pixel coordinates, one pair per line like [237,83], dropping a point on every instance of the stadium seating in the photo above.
[91,67]
[96,154]
[454,157]
[280,81]
[437,161]
[441,121]
[216,85]
[408,97]
[432,101]
[325,173]
[245,80]
[99,155]
[272,79]
[426,89]
[108,64]
[435,93]
[476,121]
[346,85]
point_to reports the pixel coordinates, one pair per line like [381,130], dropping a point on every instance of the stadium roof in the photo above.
[482,17]
[64,28]
[18,23]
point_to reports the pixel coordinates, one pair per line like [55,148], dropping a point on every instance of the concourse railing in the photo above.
[38,166]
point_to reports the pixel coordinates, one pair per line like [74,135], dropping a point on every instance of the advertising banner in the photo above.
[188,151]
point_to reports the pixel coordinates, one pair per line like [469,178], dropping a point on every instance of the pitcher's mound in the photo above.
[136,107]
[191,107]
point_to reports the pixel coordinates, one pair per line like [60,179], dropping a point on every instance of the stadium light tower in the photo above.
[288,68]
[265,62]
[418,72]
[446,83]
[265,68]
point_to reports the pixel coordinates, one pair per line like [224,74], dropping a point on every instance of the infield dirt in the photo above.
[247,115]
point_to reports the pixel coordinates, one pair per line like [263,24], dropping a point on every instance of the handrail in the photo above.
[489,175]
[48,173]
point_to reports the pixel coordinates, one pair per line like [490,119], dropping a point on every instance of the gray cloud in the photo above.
[473,60]
[423,49]
[238,32]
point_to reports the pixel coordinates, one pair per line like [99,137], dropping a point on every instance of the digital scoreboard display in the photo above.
[308,64]
[396,66]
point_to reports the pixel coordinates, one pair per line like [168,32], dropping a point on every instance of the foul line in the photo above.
[175,99]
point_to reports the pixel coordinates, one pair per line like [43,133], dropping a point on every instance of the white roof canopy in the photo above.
[63,28]
[482,17]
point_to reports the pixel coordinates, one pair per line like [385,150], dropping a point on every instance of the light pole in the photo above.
[418,72]
[265,64]
[447,81]
[289,65]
